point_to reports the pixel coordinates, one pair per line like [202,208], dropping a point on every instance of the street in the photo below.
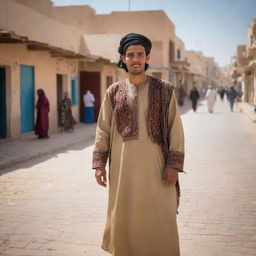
[52,206]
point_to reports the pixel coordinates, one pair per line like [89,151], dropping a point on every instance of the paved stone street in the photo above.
[51,205]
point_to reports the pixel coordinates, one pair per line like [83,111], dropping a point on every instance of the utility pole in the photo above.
[129,2]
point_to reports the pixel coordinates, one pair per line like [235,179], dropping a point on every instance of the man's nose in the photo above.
[136,57]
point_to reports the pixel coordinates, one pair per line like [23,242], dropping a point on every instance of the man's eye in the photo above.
[130,55]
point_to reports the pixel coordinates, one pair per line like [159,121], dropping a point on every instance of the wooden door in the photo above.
[59,95]
[3,132]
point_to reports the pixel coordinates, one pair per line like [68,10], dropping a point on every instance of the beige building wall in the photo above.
[46,69]
[154,24]
[179,49]
[42,6]
[73,15]
[33,25]
[197,62]
[226,80]
[211,71]
[241,55]
[104,45]
[197,68]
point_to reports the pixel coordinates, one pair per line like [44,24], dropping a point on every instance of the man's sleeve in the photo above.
[176,137]
[102,138]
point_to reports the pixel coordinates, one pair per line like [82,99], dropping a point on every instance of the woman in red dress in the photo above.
[42,119]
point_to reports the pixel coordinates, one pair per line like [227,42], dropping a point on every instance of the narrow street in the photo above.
[51,206]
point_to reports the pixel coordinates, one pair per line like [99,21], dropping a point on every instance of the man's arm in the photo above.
[176,148]
[102,141]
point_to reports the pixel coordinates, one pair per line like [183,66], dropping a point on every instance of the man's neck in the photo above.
[137,79]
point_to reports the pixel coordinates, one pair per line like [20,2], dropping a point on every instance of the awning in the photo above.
[8,37]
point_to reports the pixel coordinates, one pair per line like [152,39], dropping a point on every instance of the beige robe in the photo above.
[141,218]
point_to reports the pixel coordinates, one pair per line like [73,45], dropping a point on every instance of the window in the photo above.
[74,91]
[178,54]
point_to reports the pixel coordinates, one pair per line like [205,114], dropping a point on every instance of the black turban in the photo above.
[133,39]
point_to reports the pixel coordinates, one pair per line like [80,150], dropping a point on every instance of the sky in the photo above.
[214,27]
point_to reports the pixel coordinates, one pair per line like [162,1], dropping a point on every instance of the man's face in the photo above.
[135,59]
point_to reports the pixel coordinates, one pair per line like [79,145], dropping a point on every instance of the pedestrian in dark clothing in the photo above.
[42,119]
[222,93]
[232,94]
[181,95]
[194,96]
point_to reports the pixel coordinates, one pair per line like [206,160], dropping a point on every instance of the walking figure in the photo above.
[194,97]
[211,97]
[222,93]
[232,94]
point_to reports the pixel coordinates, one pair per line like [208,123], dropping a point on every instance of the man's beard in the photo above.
[136,72]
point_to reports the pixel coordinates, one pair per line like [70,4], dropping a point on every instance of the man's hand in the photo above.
[170,176]
[101,176]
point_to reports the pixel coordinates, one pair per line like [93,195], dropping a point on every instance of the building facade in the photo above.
[243,71]
[37,51]
[154,24]
[72,49]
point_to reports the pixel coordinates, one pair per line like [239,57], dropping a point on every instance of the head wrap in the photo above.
[42,99]
[133,39]
[41,92]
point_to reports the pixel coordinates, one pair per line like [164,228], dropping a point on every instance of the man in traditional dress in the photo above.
[211,97]
[140,131]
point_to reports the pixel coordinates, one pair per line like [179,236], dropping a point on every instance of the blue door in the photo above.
[74,91]
[2,103]
[27,98]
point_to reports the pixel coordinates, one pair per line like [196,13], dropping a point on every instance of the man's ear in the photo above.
[123,59]
[147,58]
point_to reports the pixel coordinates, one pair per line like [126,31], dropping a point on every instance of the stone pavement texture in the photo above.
[14,151]
[51,205]
[247,110]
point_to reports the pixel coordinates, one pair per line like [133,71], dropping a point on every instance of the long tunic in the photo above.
[211,97]
[42,118]
[141,218]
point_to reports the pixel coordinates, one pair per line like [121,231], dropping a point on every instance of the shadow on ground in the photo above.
[31,162]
